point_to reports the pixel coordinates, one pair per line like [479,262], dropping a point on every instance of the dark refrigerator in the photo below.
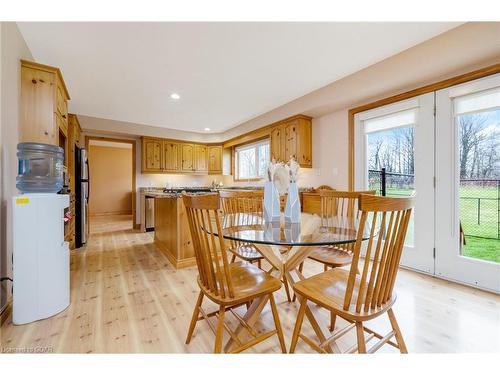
[82,190]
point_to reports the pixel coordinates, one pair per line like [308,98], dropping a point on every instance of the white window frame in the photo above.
[247,146]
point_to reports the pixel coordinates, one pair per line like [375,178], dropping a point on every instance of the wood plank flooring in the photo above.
[127,298]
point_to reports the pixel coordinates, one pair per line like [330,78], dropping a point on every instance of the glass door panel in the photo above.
[468,183]
[395,145]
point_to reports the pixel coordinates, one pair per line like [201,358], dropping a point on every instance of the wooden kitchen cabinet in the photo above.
[288,137]
[75,125]
[74,131]
[297,141]
[277,142]
[311,202]
[201,158]
[172,235]
[291,137]
[44,103]
[152,155]
[215,159]
[175,156]
[171,158]
[62,125]
[187,157]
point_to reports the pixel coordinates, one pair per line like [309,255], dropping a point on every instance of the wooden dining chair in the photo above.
[355,297]
[336,205]
[233,202]
[228,285]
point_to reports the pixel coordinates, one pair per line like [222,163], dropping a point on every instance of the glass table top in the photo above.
[253,228]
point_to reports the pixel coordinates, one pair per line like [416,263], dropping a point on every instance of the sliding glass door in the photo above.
[395,157]
[468,183]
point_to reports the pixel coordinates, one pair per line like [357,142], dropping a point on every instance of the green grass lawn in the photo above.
[482,248]
[480,219]
[487,248]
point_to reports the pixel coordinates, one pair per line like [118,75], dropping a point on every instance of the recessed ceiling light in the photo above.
[175,96]
[207,129]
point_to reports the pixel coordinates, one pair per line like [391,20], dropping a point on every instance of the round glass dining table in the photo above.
[299,240]
[311,231]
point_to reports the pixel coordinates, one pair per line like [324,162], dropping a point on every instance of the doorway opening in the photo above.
[112,184]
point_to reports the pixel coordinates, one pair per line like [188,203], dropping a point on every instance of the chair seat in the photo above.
[331,256]
[328,289]
[248,252]
[249,282]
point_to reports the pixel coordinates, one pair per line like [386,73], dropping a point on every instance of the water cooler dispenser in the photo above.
[40,257]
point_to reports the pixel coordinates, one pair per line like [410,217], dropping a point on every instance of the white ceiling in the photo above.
[225,73]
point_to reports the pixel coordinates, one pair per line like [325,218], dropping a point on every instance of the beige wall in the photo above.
[110,180]
[13,49]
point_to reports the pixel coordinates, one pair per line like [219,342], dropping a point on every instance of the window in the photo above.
[251,160]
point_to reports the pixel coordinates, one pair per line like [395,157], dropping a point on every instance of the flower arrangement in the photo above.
[281,179]
[271,170]
[293,170]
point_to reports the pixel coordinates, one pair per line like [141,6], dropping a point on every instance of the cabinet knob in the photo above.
[46,133]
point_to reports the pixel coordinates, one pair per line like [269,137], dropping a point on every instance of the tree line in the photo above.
[478,139]
[479,143]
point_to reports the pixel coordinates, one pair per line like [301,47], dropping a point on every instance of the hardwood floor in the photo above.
[126,297]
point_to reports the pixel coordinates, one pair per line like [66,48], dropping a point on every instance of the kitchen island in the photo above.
[171,228]
[172,235]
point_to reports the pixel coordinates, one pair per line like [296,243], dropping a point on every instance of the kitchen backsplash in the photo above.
[307,178]
[173,180]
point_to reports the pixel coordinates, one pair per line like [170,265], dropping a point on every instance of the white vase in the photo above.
[271,202]
[292,231]
[292,208]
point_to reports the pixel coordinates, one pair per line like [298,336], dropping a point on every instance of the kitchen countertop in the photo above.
[159,193]
[162,195]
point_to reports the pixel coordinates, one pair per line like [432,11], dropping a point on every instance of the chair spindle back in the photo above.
[213,267]
[390,216]
[235,202]
[340,204]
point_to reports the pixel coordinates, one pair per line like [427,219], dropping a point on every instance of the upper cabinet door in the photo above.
[201,152]
[61,102]
[277,143]
[152,155]
[187,152]
[290,140]
[303,153]
[215,159]
[171,157]
[298,141]
[38,122]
